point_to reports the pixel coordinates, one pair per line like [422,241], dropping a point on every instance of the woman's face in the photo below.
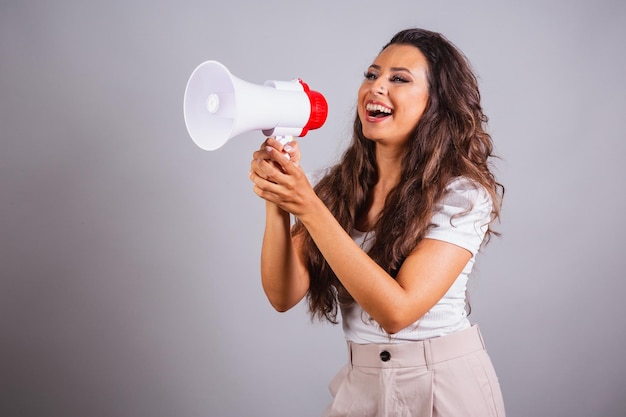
[393,95]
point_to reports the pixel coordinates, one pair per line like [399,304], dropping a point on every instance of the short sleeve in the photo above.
[462,216]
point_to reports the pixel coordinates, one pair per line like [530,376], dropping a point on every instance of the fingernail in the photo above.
[287,148]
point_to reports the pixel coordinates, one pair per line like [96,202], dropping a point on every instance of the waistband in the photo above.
[421,353]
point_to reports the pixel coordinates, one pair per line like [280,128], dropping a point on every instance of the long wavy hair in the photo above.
[449,141]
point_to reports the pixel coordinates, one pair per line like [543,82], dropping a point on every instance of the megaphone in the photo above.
[219,106]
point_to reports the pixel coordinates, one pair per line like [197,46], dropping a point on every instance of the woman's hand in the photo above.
[279,179]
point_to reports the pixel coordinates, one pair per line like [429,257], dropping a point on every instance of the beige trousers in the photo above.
[448,376]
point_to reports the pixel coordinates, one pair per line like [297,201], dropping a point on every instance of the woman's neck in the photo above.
[389,165]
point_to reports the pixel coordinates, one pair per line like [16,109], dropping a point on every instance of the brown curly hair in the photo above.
[448,141]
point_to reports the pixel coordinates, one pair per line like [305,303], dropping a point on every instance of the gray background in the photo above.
[129,256]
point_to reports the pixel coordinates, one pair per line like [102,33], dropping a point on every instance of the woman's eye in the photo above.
[399,79]
[370,75]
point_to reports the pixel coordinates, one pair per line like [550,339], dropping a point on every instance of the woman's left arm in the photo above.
[424,278]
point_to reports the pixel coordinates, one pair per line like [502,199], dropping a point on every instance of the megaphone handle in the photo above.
[284,139]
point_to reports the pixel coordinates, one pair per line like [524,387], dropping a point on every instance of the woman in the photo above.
[389,236]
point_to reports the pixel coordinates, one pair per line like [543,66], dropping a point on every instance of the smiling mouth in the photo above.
[377,111]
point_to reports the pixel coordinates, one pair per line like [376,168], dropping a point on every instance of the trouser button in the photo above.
[385,356]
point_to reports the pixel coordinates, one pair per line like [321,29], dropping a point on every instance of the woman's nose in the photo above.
[378,87]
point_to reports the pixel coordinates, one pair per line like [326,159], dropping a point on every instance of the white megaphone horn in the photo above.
[219,106]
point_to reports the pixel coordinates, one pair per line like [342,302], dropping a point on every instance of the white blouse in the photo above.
[472,206]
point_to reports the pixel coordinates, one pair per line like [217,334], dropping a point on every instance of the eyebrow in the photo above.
[403,69]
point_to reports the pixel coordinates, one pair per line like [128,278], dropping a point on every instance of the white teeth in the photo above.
[378,108]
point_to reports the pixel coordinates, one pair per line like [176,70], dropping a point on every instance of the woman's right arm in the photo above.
[284,277]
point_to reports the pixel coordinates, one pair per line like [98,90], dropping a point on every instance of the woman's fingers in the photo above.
[293,150]
[276,175]
[290,149]
[270,165]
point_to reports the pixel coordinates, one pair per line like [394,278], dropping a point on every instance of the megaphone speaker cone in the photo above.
[219,106]
[209,106]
